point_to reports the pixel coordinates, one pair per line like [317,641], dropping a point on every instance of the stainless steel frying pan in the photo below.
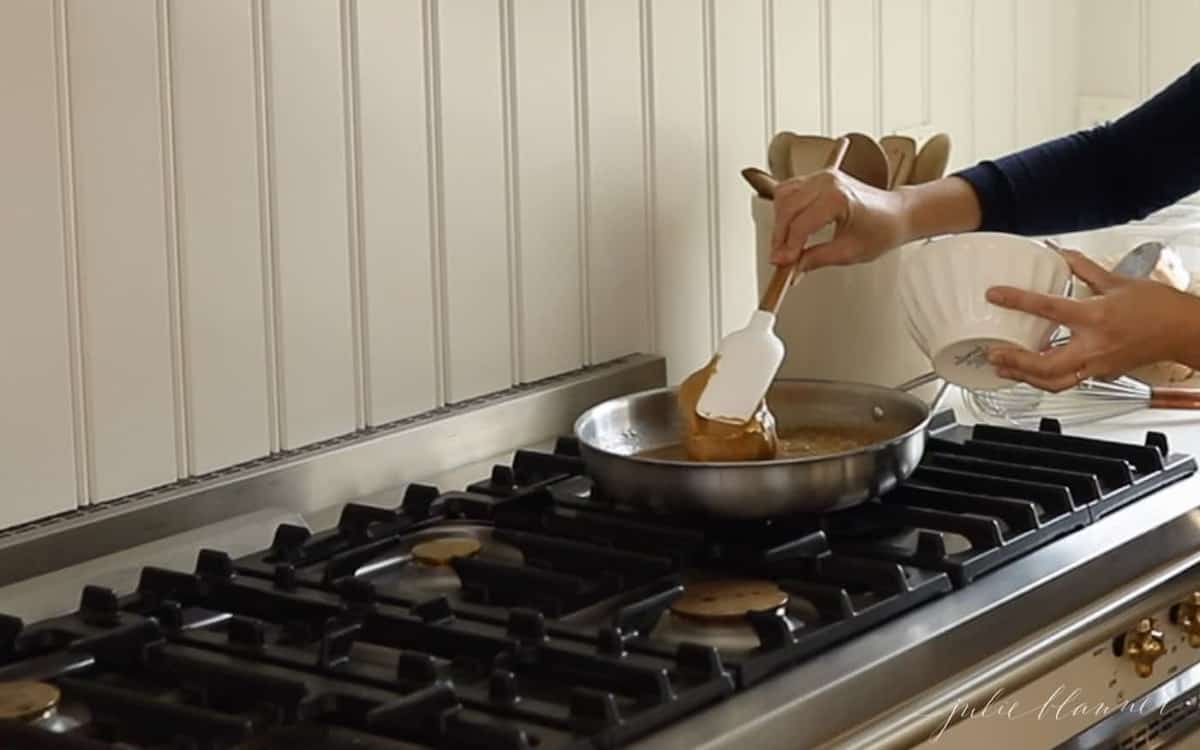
[614,433]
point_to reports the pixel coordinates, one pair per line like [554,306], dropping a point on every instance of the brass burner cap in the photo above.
[718,600]
[26,700]
[441,551]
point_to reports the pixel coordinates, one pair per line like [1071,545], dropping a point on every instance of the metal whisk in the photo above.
[1090,401]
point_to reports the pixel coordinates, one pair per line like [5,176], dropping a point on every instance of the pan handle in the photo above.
[926,379]
[917,382]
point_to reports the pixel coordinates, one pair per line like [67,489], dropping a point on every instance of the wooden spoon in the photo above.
[866,161]
[779,155]
[810,153]
[931,160]
[901,151]
[763,183]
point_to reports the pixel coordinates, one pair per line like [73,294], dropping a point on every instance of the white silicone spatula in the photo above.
[748,359]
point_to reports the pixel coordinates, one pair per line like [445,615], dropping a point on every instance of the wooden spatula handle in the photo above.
[780,281]
[784,276]
[1175,398]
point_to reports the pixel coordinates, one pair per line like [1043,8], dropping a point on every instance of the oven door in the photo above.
[1166,717]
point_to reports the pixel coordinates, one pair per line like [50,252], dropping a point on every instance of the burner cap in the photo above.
[26,700]
[442,551]
[719,600]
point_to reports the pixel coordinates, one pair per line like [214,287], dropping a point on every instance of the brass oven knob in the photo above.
[1186,615]
[1142,645]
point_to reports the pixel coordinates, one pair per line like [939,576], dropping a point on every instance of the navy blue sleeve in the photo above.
[1109,175]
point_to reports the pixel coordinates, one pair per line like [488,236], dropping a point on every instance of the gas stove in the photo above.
[526,610]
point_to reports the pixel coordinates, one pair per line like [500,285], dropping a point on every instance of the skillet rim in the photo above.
[902,437]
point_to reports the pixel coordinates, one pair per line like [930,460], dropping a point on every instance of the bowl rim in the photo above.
[1016,241]
[908,286]
[992,234]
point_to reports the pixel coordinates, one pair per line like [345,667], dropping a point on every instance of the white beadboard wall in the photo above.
[1134,48]
[234,227]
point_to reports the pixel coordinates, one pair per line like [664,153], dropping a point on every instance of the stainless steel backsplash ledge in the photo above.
[332,472]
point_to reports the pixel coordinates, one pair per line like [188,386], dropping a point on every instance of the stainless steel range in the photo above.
[1023,588]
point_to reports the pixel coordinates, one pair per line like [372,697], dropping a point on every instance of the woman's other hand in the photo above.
[1132,322]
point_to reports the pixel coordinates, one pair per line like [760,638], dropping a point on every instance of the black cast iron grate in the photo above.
[982,496]
[217,659]
[554,635]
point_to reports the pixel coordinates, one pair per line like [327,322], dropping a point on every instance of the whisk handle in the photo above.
[1175,398]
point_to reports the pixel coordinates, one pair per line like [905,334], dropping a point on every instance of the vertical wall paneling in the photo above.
[579,69]
[547,187]
[1066,53]
[266,221]
[1171,43]
[768,67]
[927,61]
[877,79]
[1035,71]
[350,113]
[825,68]
[739,127]
[395,208]
[1128,51]
[1169,46]
[798,70]
[311,232]
[122,231]
[217,174]
[171,241]
[854,66]
[1143,58]
[951,92]
[712,138]
[903,40]
[437,215]
[36,433]
[995,82]
[474,211]
[1110,52]
[619,270]
[74,295]
[648,160]
[683,286]
[508,97]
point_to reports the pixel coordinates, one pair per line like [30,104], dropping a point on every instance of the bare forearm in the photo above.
[1187,331]
[945,206]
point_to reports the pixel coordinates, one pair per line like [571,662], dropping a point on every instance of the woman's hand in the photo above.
[869,221]
[1133,322]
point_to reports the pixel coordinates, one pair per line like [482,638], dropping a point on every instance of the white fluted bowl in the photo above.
[943,288]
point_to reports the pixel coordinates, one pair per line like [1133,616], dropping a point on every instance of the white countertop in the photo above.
[1182,428]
